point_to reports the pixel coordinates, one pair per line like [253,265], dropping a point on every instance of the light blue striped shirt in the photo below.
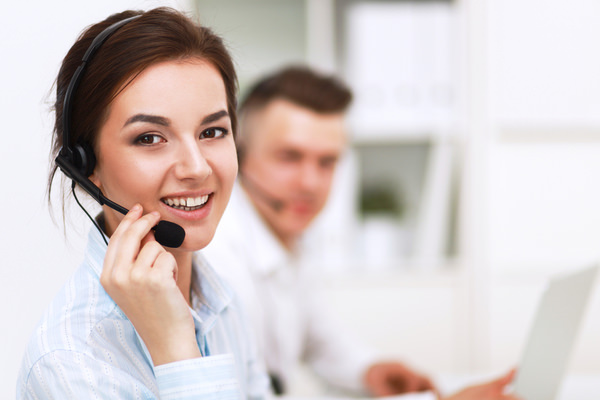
[86,348]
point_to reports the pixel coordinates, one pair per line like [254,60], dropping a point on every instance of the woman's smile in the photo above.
[190,207]
[186,203]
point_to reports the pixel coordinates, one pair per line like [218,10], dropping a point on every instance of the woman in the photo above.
[152,115]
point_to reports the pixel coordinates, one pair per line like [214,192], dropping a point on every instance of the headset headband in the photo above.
[67,150]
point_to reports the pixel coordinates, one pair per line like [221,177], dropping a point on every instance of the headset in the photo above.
[77,161]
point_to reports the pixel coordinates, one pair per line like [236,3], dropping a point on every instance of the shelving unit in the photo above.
[399,57]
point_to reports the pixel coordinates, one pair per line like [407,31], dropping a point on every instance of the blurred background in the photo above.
[470,180]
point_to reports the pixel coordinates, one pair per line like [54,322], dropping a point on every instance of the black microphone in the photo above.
[169,234]
[276,204]
[166,233]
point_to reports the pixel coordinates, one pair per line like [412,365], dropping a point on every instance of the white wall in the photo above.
[36,258]
[545,112]
[544,167]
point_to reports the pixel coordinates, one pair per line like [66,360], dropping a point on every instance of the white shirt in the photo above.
[86,348]
[283,299]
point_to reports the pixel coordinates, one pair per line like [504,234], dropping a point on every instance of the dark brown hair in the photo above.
[158,35]
[300,85]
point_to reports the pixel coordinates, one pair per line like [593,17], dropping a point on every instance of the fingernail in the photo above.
[136,208]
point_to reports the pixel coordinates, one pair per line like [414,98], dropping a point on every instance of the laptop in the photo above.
[552,335]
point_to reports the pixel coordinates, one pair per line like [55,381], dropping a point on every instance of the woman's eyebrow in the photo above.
[153,119]
[214,117]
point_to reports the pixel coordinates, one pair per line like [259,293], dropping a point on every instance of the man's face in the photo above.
[290,157]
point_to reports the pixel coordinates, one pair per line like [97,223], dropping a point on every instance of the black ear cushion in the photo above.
[84,159]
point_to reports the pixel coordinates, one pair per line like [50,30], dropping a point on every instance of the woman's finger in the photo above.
[166,266]
[147,257]
[113,245]
[129,240]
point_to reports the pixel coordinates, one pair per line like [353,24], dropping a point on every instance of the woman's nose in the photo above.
[191,163]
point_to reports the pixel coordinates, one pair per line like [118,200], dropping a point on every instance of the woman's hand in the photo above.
[140,276]
[493,390]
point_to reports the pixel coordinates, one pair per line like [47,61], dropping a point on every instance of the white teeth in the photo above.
[186,203]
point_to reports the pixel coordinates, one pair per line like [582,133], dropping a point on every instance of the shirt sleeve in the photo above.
[64,374]
[72,375]
[205,377]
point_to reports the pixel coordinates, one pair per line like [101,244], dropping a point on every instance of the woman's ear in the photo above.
[94,178]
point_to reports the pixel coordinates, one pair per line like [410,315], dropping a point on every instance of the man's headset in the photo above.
[77,161]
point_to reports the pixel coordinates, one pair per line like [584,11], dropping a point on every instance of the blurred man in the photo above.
[291,138]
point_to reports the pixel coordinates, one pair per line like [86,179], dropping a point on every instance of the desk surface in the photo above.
[574,386]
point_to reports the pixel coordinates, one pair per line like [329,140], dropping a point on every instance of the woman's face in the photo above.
[167,144]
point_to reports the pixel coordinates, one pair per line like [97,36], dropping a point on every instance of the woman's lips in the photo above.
[186,203]
[189,207]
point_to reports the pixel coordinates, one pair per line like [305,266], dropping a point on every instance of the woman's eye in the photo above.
[212,133]
[148,139]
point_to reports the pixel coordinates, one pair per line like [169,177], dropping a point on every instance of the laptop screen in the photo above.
[553,334]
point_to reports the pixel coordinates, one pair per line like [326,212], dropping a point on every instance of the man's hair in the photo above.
[323,94]
[302,86]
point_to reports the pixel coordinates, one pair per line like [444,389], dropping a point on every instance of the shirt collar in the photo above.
[210,294]
[95,251]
